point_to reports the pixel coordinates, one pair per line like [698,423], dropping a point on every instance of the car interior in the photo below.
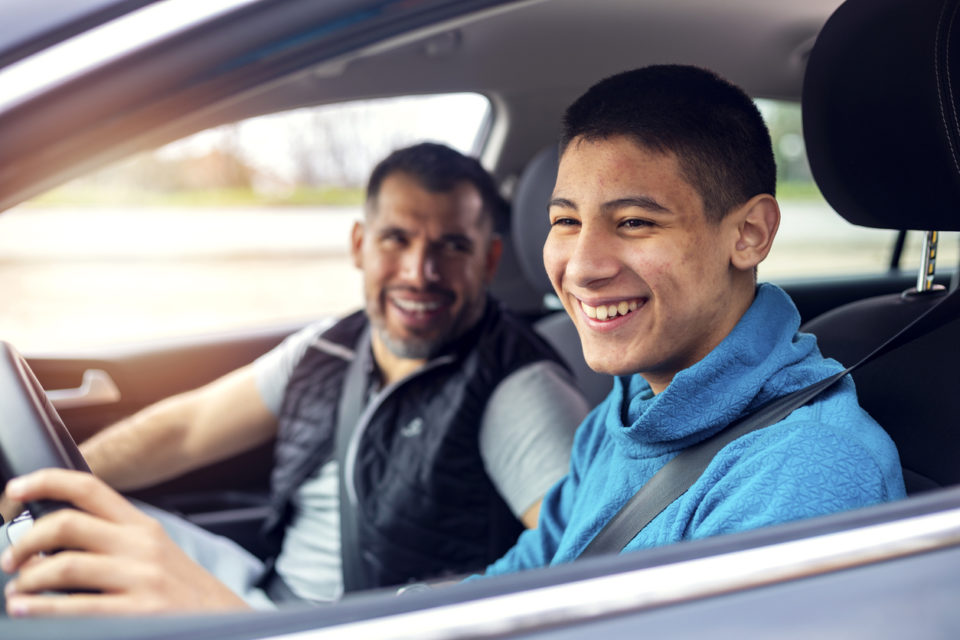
[881,115]
[496,45]
[218,499]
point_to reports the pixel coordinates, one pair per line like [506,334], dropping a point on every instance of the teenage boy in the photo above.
[663,208]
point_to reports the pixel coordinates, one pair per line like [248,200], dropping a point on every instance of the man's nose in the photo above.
[593,260]
[420,266]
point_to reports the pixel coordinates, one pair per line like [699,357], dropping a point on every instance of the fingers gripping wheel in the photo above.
[32,435]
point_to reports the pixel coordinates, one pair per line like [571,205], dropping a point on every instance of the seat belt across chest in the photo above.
[349,409]
[679,474]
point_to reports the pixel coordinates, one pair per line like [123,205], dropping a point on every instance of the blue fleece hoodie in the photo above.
[825,457]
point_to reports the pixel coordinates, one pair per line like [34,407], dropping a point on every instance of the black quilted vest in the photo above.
[425,506]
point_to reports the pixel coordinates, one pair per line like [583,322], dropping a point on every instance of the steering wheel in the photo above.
[32,435]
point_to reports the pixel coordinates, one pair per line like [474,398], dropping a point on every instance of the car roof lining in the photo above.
[495,51]
[751,42]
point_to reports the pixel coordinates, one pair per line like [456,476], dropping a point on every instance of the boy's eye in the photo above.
[564,222]
[635,223]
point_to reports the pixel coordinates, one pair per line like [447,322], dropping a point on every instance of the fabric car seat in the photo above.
[530,226]
[880,117]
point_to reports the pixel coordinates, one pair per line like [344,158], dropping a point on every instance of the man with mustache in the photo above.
[459,419]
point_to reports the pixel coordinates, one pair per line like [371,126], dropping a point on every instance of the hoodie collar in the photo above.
[746,369]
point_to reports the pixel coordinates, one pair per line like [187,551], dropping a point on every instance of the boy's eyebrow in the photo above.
[562,202]
[643,202]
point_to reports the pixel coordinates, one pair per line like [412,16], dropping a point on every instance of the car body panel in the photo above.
[861,574]
[34,25]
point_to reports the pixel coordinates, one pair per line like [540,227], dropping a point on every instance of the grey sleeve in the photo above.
[527,432]
[273,369]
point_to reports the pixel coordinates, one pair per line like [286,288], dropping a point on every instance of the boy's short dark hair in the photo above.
[713,127]
[440,169]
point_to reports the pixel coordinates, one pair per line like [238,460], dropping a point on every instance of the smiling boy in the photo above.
[663,208]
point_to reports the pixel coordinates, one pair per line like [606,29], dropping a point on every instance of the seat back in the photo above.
[530,226]
[911,391]
[880,116]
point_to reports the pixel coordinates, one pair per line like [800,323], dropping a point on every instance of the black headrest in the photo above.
[880,113]
[530,222]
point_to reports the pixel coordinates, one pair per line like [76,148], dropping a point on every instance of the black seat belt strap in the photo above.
[349,410]
[679,474]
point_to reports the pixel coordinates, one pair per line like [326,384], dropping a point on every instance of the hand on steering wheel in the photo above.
[102,556]
[111,556]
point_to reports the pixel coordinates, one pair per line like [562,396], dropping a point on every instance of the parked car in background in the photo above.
[264,116]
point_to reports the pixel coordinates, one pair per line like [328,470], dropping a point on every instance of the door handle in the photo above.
[96,388]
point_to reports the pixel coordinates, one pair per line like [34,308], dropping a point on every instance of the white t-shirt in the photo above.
[525,439]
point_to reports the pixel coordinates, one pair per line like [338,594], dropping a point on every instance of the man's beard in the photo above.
[409,348]
[412,347]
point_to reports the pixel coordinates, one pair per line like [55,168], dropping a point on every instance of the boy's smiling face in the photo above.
[647,278]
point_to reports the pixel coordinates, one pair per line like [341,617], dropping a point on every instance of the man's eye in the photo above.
[456,246]
[564,222]
[393,239]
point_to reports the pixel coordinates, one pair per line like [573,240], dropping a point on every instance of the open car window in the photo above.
[813,240]
[240,226]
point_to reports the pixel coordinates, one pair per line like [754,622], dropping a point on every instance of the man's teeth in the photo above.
[609,311]
[415,306]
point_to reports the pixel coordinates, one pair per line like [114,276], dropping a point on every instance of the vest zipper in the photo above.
[367,414]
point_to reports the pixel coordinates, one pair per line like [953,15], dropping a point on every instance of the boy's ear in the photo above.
[757,223]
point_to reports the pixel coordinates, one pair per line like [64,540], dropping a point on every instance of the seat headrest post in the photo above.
[928,261]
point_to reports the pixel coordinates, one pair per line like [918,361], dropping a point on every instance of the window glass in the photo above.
[240,226]
[813,239]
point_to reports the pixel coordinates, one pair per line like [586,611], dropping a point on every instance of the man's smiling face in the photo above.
[644,274]
[427,258]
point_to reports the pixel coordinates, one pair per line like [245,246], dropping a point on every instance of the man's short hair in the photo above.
[714,128]
[440,169]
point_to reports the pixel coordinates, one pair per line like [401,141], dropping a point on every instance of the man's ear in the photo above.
[494,251]
[356,244]
[757,224]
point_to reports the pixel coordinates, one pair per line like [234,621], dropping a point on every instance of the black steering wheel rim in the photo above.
[32,435]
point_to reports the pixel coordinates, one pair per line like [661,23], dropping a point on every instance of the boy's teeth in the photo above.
[605,312]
